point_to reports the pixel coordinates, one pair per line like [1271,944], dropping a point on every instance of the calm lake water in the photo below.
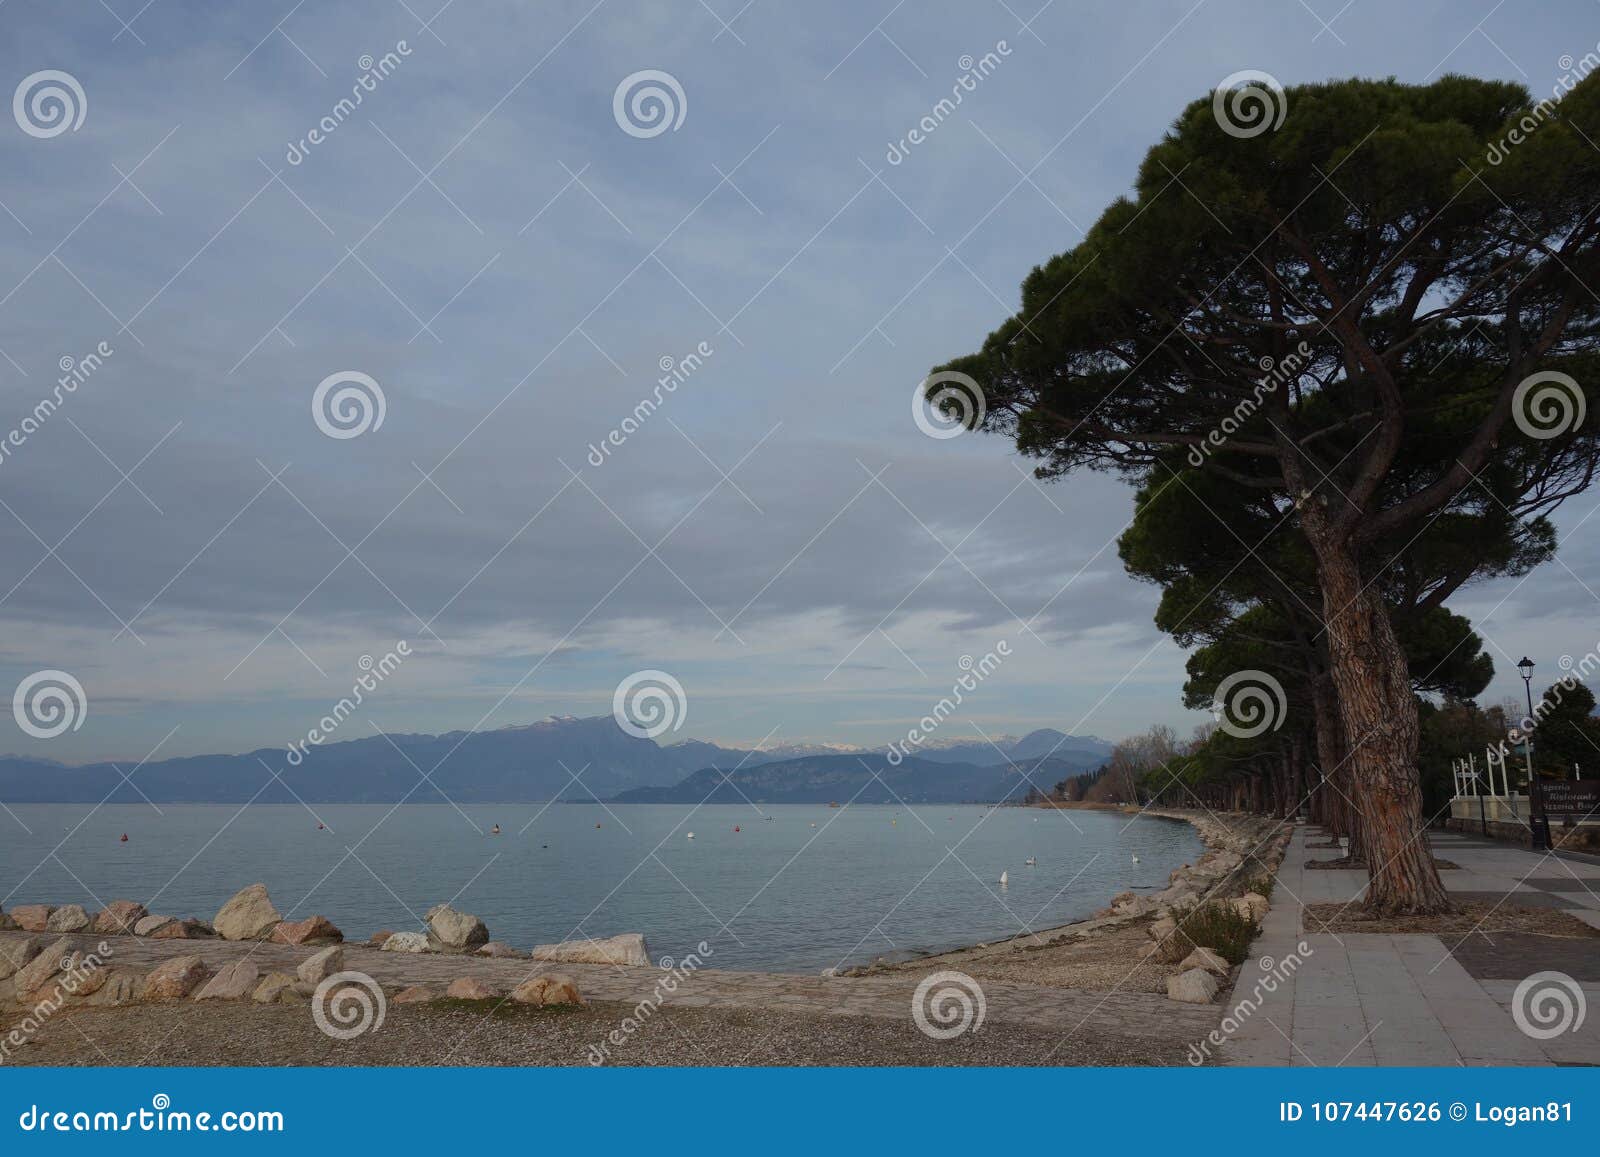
[777,894]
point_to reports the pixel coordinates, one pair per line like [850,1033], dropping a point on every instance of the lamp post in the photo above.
[1540,826]
[1526,668]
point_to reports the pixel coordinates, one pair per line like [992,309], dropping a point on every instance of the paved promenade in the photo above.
[1420,1000]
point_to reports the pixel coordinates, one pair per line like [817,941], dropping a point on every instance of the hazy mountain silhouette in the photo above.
[560,758]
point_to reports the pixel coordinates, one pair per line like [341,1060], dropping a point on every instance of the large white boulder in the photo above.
[452,931]
[1207,959]
[1196,986]
[68,918]
[234,982]
[315,969]
[249,915]
[628,948]
[406,942]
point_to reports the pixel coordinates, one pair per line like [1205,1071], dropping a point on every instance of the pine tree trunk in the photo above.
[1342,796]
[1380,726]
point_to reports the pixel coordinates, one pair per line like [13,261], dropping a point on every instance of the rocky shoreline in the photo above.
[247,956]
[1151,930]
[39,976]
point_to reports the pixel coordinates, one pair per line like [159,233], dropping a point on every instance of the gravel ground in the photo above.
[1114,960]
[469,1033]
[1468,917]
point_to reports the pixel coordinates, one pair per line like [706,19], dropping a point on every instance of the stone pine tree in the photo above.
[1231,567]
[1303,284]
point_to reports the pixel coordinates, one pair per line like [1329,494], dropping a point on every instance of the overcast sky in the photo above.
[483,239]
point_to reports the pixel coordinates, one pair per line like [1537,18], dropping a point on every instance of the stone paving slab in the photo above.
[1371,999]
[1512,956]
[1582,885]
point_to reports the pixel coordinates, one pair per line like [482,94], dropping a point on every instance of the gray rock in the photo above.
[175,978]
[33,975]
[150,924]
[1162,928]
[120,988]
[1196,986]
[315,969]
[556,988]
[628,948]
[14,955]
[405,942]
[70,918]
[452,931]
[499,949]
[471,988]
[234,982]
[119,917]
[272,987]
[249,915]
[1207,959]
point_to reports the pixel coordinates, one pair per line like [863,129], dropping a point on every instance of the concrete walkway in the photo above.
[1417,1000]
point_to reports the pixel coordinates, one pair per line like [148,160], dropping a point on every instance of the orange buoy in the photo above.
[735,827]
[124,838]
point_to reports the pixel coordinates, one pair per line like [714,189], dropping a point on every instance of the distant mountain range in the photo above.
[860,778]
[559,758]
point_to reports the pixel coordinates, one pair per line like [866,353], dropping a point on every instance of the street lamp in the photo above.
[1541,829]
[1526,667]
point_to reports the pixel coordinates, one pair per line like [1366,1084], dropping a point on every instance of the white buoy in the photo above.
[1004,879]
[1136,859]
[1030,862]
[691,835]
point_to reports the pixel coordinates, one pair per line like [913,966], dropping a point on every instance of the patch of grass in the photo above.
[1262,885]
[503,1009]
[1219,926]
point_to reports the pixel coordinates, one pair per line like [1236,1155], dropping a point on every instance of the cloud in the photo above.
[482,239]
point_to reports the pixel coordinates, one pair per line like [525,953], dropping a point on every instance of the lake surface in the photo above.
[811,888]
